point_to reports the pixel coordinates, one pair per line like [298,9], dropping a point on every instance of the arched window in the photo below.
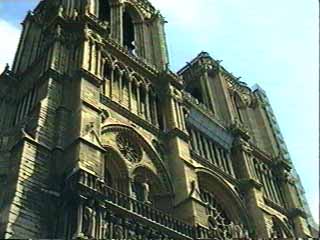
[128,32]
[104,10]
[125,90]
[134,97]
[116,85]
[195,91]
[107,178]
[107,71]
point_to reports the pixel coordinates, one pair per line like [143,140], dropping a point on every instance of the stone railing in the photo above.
[132,205]
[195,102]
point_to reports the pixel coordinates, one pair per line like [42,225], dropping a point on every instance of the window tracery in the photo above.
[128,147]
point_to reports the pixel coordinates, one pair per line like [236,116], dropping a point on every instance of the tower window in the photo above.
[104,10]
[128,32]
[195,91]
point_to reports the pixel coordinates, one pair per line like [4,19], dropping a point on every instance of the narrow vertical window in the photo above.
[104,10]
[128,32]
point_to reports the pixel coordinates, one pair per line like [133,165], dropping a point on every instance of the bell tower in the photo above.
[99,139]
[85,70]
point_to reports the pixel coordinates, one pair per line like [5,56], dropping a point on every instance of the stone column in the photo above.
[213,159]
[201,149]
[111,82]
[147,104]
[120,87]
[155,110]
[139,39]
[117,22]
[219,157]
[194,140]
[130,92]
[78,232]
[98,67]
[93,58]
[138,99]
[209,89]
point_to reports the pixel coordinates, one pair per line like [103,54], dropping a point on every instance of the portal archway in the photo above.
[226,213]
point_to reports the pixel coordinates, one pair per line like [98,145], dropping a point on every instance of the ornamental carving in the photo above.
[128,147]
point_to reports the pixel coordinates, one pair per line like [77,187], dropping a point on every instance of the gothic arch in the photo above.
[163,172]
[135,12]
[225,195]
[115,166]
[280,225]
[137,78]
[120,65]
[157,194]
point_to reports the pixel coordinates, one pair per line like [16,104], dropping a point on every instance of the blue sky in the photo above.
[272,43]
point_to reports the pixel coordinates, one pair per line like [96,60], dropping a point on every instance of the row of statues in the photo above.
[221,230]
[102,224]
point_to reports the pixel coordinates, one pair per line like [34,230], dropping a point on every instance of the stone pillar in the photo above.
[183,175]
[130,92]
[249,185]
[139,39]
[78,232]
[194,141]
[99,61]
[138,99]
[147,104]
[117,22]
[154,109]
[120,87]
[296,212]
[111,83]
[208,89]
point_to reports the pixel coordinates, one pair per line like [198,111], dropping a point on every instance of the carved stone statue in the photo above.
[105,227]
[232,230]
[75,15]
[60,11]
[89,220]
[132,235]
[118,232]
[6,69]
[146,191]
[215,229]
[87,6]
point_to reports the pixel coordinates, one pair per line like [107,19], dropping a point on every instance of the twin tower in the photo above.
[100,140]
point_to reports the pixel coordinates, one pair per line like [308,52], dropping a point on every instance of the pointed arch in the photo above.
[281,228]
[131,18]
[145,176]
[225,195]
[240,106]
[120,65]
[163,172]
[135,13]
[116,172]
[103,10]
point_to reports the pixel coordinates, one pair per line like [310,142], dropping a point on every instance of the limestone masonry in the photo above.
[99,139]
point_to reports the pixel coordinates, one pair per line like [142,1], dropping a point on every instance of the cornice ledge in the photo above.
[297,212]
[176,132]
[246,184]
[239,130]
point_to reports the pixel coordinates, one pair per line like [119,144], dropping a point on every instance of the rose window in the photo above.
[129,148]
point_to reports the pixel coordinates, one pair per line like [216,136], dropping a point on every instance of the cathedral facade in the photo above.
[99,139]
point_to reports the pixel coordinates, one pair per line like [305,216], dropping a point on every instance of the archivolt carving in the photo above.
[213,183]
[138,139]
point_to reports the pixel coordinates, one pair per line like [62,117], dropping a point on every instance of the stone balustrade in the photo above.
[130,204]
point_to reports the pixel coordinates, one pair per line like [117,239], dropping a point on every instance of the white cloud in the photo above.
[9,42]
[187,13]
